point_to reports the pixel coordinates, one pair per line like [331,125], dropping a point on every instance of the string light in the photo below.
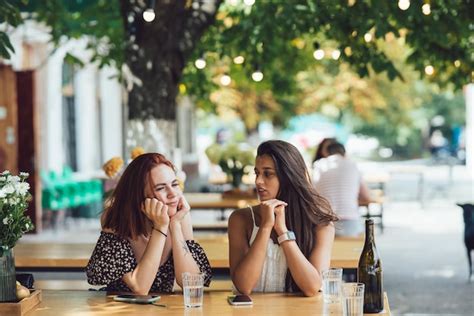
[367,37]
[403,4]
[457,63]
[249,2]
[426,9]
[149,13]
[429,70]
[200,63]
[348,51]
[318,54]
[336,54]
[225,80]
[257,76]
[239,60]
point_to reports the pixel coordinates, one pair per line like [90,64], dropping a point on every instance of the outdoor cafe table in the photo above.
[63,257]
[95,303]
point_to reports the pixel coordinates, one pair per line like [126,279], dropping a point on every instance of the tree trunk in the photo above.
[155,56]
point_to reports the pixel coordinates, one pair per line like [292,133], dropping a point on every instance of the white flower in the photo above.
[9,188]
[2,193]
[3,178]
[6,172]
[13,201]
[22,188]
[15,179]
[5,221]
[24,174]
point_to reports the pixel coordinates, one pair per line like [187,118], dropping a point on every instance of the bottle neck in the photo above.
[369,234]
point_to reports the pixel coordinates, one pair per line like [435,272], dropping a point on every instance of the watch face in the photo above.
[289,235]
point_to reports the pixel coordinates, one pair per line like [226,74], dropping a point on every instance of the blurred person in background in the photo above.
[321,151]
[338,179]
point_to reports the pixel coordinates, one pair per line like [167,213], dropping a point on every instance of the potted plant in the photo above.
[14,198]
[234,159]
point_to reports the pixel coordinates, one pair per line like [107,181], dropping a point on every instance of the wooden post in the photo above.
[27,141]
[8,120]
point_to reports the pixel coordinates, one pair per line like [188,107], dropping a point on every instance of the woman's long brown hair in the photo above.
[124,215]
[306,209]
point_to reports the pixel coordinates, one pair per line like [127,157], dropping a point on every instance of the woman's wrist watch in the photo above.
[289,235]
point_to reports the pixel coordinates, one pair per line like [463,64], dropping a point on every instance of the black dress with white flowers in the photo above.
[113,258]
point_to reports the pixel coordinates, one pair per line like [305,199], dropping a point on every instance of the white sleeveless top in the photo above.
[274,269]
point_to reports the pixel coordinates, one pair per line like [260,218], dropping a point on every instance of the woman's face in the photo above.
[266,180]
[165,187]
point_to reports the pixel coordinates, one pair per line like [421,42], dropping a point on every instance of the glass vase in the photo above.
[237,179]
[7,276]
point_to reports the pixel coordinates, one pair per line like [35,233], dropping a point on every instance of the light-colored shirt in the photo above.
[274,269]
[338,180]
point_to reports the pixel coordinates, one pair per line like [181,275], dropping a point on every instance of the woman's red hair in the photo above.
[124,215]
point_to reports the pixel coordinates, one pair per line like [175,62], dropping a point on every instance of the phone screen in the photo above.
[240,300]
[139,299]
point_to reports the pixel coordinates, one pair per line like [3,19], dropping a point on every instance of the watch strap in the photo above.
[289,235]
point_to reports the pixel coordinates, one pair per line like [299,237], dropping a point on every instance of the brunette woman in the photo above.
[283,244]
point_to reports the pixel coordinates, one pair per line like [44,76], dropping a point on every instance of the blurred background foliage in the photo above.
[372,76]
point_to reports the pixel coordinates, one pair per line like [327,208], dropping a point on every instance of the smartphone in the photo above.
[239,300]
[137,299]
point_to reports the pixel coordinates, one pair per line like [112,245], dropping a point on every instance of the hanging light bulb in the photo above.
[457,63]
[239,60]
[426,9]
[429,70]
[200,63]
[336,54]
[403,4]
[257,76]
[149,15]
[367,37]
[318,54]
[225,80]
[348,51]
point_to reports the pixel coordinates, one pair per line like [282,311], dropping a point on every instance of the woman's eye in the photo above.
[159,188]
[175,184]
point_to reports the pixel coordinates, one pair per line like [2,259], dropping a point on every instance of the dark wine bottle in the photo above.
[369,272]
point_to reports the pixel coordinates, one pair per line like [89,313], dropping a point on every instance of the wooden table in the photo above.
[56,257]
[93,303]
[202,201]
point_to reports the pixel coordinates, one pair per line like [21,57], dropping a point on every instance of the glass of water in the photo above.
[193,289]
[353,299]
[332,280]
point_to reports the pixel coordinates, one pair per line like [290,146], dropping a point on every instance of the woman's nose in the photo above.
[171,192]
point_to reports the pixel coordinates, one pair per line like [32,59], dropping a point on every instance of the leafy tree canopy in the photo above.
[273,36]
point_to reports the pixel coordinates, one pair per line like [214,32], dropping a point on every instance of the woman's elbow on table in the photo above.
[310,292]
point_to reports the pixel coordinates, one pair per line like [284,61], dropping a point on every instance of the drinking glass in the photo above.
[193,289]
[332,279]
[353,299]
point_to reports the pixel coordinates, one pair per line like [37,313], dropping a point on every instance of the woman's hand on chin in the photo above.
[182,210]
[157,212]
